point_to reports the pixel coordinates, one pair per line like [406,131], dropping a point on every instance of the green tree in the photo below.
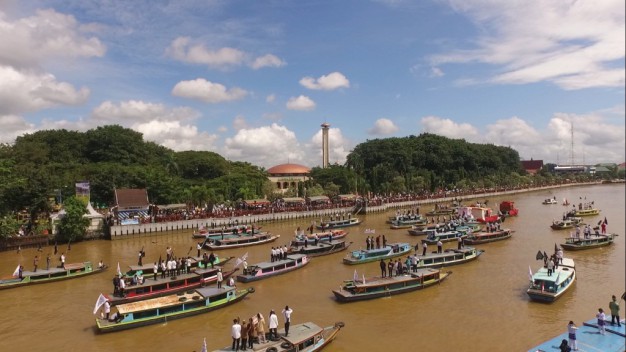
[73,224]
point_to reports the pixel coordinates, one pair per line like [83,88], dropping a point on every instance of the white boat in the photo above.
[548,288]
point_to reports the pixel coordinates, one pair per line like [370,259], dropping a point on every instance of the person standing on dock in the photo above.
[571,334]
[235,332]
[273,325]
[287,313]
[614,308]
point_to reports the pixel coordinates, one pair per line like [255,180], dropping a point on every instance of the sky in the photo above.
[254,80]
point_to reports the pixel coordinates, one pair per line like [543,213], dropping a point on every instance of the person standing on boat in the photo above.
[614,308]
[424,248]
[212,259]
[287,313]
[199,248]
[273,325]
[220,278]
[571,334]
[439,246]
[107,309]
[36,263]
[601,316]
[383,268]
[260,327]
[122,286]
[63,260]
[155,270]
[48,262]
[390,267]
[550,267]
[235,332]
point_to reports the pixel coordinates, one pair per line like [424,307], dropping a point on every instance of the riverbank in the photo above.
[154,229]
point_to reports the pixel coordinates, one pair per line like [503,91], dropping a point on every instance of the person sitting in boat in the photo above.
[116,317]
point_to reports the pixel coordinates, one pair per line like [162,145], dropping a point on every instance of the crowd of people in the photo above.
[247,332]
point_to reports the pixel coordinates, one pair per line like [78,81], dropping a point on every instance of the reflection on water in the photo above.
[480,299]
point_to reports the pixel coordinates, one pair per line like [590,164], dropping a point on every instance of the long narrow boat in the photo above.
[392,250]
[449,257]
[444,236]
[155,288]
[334,224]
[486,237]
[584,212]
[242,241]
[175,306]
[420,230]
[42,276]
[196,263]
[319,236]
[322,248]
[405,222]
[306,337]
[357,290]
[548,288]
[566,223]
[264,270]
[205,232]
[592,241]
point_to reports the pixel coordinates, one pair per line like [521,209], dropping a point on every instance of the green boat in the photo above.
[42,276]
[392,250]
[175,306]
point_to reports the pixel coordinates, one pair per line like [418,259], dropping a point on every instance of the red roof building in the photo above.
[286,176]
[532,166]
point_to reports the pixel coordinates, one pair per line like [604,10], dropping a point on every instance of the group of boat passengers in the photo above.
[245,333]
[398,267]
[552,263]
[374,243]
[279,253]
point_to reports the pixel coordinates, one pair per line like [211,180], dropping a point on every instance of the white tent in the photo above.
[95,219]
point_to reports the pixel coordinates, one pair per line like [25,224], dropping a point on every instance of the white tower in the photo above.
[325,127]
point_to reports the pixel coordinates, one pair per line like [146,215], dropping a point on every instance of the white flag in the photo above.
[530,274]
[119,271]
[363,279]
[101,300]
[204,346]
[16,273]
[355,277]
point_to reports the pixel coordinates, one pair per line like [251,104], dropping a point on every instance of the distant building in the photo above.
[532,166]
[286,176]
[131,205]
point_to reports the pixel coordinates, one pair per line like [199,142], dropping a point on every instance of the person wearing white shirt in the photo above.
[122,286]
[287,313]
[235,332]
[273,325]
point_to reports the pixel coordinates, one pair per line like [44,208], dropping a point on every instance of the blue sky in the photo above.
[253,80]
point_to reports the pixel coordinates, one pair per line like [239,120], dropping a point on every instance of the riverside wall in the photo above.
[154,229]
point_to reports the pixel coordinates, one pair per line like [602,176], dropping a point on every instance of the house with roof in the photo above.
[131,206]
[532,166]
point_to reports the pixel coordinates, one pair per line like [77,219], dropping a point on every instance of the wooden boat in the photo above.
[406,222]
[549,201]
[42,276]
[322,248]
[546,288]
[320,236]
[433,236]
[365,256]
[357,290]
[480,214]
[306,337]
[170,307]
[242,241]
[161,287]
[567,223]
[449,257]
[486,237]
[592,241]
[584,212]
[333,224]
[441,211]
[418,230]
[196,263]
[264,270]
[204,232]
[507,208]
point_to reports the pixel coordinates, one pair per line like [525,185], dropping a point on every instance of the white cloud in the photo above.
[268,60]
[29,91]
[176,136]
[209,92]
[265,146]
[574,45]
[239,123]
[383,126]
[181,49]
[12,126]
[331,81]
[449,128]
[302,103]
[137,111]
[270,98]
[28,41]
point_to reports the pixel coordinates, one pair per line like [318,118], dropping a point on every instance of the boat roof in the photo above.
[170,300]
[301,332]
[45,272]
[377,280]
[290,258]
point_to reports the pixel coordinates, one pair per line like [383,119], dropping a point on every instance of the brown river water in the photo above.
[482,306]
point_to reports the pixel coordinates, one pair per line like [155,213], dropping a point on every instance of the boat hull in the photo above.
[322,249]
[488,238]
[259,275]
[45,276]
[402,250]
[591,242]
[242,243]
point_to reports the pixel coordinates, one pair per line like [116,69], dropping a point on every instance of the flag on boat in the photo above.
[16,273]
[355,277]
[539,256]
[605,221]
[101,300]
[530,273]
[119,271]
[363,279]
[241,260]
[203,349]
